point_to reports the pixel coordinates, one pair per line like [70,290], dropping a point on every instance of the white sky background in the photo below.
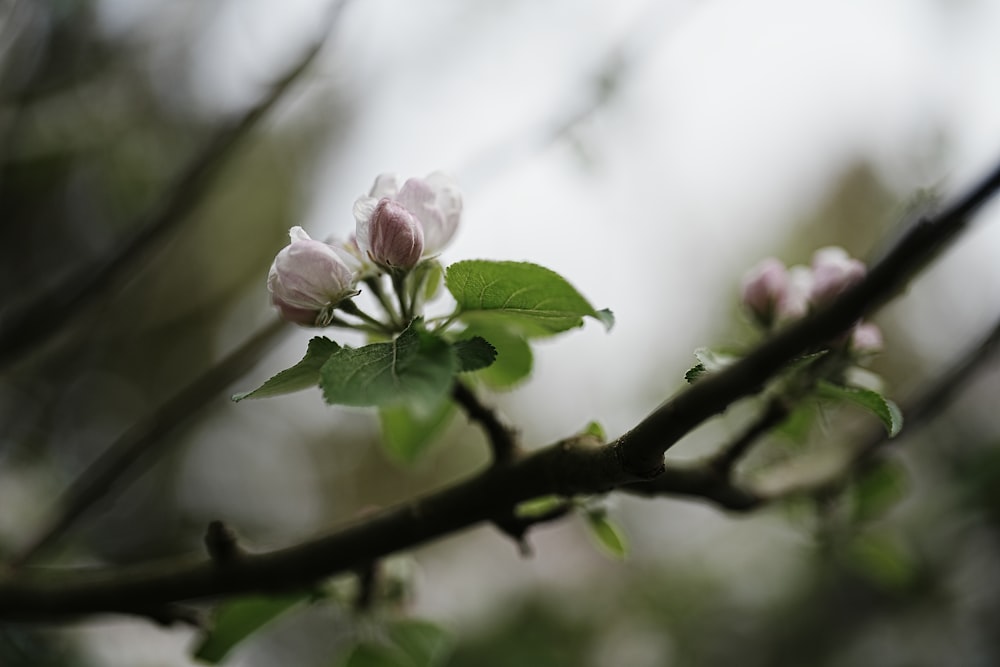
[732,119]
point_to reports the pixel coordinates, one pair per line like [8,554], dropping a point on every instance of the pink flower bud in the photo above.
[764,287]
[866,338]
[833,272]
[391,236]
[434,202]
[307,278]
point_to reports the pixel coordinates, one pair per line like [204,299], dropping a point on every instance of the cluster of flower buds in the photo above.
[774,294]
[396,228]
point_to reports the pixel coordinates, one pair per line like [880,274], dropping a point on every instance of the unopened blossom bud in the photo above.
[435,202]
[307,279]
[391,236]
[764,287]
[866,338]
[833,272]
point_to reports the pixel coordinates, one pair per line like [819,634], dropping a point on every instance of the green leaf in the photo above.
[406,432]
[426,644]
[406,643]
[417,368]
[694,373]
[529,298]
[302,375]
[595,429]
[475,353]
[709,361]
[887,411]
[877,490]
[239,618]
[514,359]
[538,507]
[607,535]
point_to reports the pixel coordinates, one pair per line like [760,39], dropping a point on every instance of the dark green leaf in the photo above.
[709,361]
[302,375]
[608,535]
[514,359]
[416,368]
[475,353]
[406,433]
[530,298]
[239,618]
[887,411]
[694,373]
[878,489]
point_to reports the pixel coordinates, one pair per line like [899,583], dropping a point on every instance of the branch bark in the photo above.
[575,466]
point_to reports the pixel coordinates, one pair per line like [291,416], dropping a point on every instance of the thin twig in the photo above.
[142,441]
[923,406]
[726,459]
[44,315]
[502,438]
[641,450]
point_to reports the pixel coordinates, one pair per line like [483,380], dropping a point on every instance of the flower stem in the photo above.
[373,324]
[375,285]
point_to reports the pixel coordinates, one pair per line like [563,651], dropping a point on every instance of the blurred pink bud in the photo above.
[833,272]
[435,202]
[867,338]
[764,287]
[307,278]
[391,236]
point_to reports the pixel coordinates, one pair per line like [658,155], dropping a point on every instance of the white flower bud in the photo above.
[308,278]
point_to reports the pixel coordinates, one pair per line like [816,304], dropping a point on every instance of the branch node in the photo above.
[222,543]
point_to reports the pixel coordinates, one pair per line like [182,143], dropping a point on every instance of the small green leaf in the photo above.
[239,618]
[475,353]
[608,535]
[406,433]
[538,507]
[694,373]
[424,643]
[595,429]
[406,643]
[529,298]
[514,358]
[302,375]
[709,361]
[417,368]
[877,490]
[887,411]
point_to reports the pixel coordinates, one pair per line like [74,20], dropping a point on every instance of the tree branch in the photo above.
[44,314]
[142,439]
[502,438]
[641,449]
[575,466]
